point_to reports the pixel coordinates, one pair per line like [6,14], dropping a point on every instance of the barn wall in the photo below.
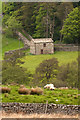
[32,47]
[49,49]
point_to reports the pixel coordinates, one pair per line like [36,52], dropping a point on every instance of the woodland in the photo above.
[56,20]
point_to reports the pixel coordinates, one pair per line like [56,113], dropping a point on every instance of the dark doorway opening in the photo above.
[41,51]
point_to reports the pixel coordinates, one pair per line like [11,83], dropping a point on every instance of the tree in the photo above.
[68,74]
[37,19]
[15,74]
[12,25]
[27,10]
[63,9]
[45,20]
[12,72]
[40,27]
[46,71]
[71,27]
[72,76]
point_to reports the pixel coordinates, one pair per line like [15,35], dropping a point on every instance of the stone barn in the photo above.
[41,46]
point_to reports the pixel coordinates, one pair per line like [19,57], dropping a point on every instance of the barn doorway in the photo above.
[41,51]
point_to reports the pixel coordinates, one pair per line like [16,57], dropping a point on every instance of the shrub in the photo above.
[75,97]
[6,95]
[24,91]
[37,91]
[5,90]
[14,74]
[68,75]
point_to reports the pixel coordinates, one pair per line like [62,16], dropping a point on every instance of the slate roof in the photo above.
[42,40]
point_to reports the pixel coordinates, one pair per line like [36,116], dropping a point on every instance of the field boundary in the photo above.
[57,47]
[40,108]
[65,47]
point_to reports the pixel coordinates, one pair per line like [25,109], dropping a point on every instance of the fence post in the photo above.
[46,106]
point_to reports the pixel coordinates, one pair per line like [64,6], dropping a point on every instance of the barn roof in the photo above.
[42,40]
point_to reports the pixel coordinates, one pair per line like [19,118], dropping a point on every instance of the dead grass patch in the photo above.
[5,90]
[21,115]
[24,91]
[37,90]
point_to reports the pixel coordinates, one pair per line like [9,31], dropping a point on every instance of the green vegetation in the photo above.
[32,61]
[71,27]
[66,96]
[47,71]
[38,19]
[10,44]
[11,70]
[0,29]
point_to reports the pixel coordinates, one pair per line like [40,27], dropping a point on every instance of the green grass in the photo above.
[51,96]
[0,28]
[10,44]
[32,61]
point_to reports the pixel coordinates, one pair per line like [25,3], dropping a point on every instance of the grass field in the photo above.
[65,96]
[10,44]
[32,61]
[0,29]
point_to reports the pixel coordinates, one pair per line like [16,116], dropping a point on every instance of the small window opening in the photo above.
[44,44]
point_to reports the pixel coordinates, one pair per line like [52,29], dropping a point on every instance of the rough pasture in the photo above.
[57,96]
[32,61]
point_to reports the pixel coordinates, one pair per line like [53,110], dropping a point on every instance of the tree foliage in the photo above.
[50,72]
[70,29]
[12,72]
[46,71]
[68,74]
[37,19]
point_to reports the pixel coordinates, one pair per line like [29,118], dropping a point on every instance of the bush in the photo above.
[24,91]
[37,91]
[12,72]
[59,83]
[68,75]
[6,95]
[5,90]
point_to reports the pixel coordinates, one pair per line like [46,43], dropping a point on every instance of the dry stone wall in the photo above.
[57,47]
[29,108]
[13,51]
[65,47]
[24,39]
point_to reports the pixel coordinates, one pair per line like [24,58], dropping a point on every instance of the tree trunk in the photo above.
[47,26]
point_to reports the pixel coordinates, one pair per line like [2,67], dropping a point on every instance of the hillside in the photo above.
[32,61]
[10,44]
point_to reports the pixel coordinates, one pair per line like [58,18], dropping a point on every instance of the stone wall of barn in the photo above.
[48,49]
[32,48]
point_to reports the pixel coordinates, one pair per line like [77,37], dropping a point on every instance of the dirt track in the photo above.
[20,115]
